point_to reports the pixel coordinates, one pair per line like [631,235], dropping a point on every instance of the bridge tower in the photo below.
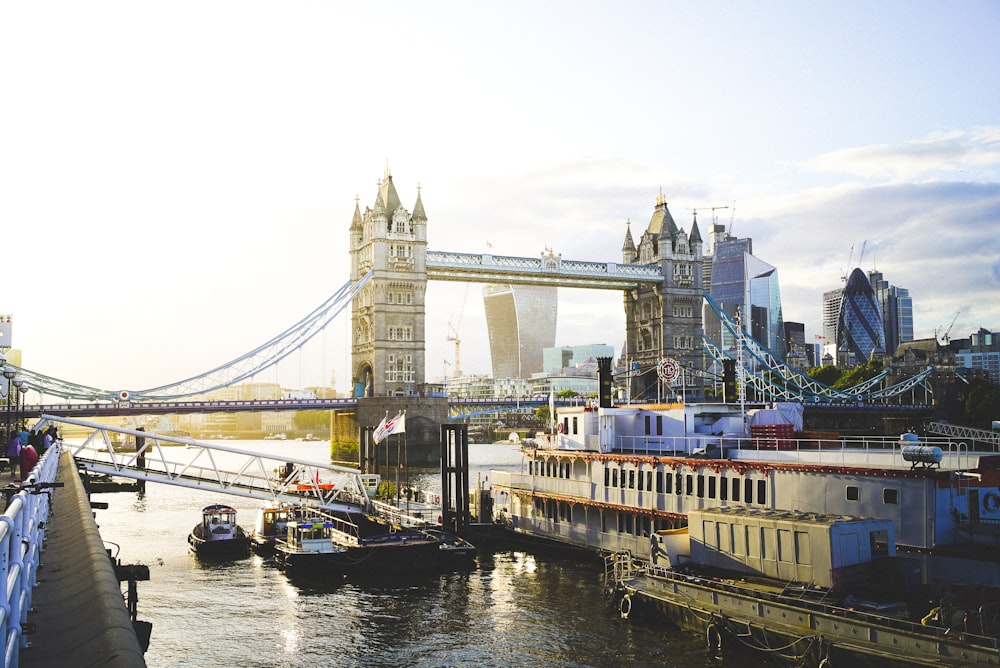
[387,316]
[664,321]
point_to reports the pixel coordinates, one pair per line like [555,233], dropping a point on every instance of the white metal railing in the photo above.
[196,465]
[22,530]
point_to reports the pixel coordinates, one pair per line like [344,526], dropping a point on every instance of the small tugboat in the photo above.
[271,525]
[333,543]
[218,536]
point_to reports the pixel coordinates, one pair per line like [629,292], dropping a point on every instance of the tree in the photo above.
[982,404]
[828,375]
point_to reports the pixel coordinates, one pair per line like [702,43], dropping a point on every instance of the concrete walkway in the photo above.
[80,616]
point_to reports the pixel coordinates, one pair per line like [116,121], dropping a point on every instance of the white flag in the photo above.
[380,431]
[396,424]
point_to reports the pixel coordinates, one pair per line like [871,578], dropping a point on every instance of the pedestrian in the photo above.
[24,435]
[13,451]
[46,442]
[29,457]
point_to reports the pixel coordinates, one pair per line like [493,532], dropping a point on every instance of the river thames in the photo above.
[513,608]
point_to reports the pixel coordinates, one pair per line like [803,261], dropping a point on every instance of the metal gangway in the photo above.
[145,456]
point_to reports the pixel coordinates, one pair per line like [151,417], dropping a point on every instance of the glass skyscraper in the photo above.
[522,322]
[860,332]
[738,275]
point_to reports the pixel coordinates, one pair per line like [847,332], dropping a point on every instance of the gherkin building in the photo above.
[860,331]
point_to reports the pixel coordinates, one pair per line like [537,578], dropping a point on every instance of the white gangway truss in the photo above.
[185,462]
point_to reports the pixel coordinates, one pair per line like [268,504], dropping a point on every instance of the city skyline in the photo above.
[177,182]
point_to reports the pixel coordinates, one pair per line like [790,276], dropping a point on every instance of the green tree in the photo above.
[859,374]
[982,404]
[828,375]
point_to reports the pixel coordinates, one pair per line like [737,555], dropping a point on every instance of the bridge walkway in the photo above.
[79,617]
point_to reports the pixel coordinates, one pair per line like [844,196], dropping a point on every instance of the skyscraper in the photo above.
[521,320]
[860,333]
[738,275]
[897,311]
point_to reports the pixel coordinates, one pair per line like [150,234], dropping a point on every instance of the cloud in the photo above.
[942,155]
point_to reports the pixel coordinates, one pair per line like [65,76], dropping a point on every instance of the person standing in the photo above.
[13,451]
[29,457]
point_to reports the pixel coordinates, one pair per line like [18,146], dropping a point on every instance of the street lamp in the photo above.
[18,383]
[8,372]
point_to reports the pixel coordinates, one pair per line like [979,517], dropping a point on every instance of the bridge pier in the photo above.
[424,417]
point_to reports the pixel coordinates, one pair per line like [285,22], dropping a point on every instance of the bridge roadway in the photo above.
[458,409]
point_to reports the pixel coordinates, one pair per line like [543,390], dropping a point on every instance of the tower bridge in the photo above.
[660,277]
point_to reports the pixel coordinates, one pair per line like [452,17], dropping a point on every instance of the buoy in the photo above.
[625,607]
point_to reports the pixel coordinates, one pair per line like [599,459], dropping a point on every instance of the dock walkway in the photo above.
[79,616]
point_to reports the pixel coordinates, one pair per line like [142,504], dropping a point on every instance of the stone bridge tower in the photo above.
[664,322]
[387,316]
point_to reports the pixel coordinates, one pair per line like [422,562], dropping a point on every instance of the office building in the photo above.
[521,320]
[860,332]
[897,310]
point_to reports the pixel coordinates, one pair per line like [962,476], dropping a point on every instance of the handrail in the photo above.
[22,531]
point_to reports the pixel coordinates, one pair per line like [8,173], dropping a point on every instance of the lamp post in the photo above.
[18,382]
[8,372]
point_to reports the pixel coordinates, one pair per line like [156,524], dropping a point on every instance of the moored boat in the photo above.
[454,551]
[272,524]
[218,536]
[809,590]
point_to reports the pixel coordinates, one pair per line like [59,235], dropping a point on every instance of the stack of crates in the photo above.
[773,436]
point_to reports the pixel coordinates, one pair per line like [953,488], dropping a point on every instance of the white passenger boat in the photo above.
[609,477]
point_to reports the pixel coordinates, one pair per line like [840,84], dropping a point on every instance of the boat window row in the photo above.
[571,425]
[740,489]
[890,495]
[622,522]
[549,468]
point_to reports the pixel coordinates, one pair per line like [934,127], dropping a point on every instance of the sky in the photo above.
[177,180]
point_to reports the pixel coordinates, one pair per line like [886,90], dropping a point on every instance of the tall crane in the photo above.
[946,337]
[454,329]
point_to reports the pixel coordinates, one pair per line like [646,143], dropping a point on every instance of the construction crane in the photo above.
[843,272]
[946,337]
[732,213]
[454,330]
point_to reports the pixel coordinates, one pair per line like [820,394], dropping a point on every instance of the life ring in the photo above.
[625,605]
[991,502]
[714,637]
[123,395]
[437,499]
[559,428]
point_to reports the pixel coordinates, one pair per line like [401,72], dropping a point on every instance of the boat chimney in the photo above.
[604,382]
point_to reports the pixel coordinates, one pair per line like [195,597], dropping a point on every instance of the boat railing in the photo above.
[640,568]
[393,513]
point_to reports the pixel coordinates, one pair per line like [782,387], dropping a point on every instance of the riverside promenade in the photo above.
[78,615]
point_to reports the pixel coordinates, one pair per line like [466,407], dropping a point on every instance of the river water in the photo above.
[512,609]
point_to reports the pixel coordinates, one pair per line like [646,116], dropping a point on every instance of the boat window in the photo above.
[575,430]
[631,479]
[723,488]
[689,487]
[880,543]
[748,490]
[659,425]
[736,489]
[639,482]
[890,496]
[647,424]
[649,480]
[678,488]
[607,475]
[711,486]
[614,477]
[662,481]
[762,492]
[623,478]
[701,486]
[853,493]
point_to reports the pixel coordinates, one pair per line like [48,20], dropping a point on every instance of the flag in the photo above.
[389,427]
[379,432]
